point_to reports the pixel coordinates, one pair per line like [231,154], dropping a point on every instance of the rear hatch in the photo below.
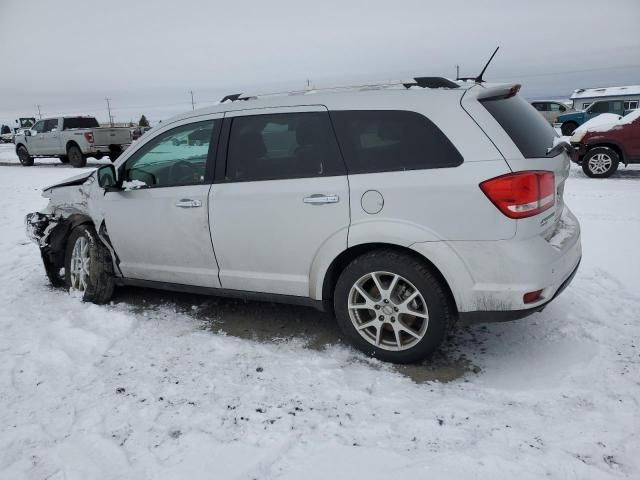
[524,138]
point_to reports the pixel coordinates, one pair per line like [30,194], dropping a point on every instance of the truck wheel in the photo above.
[75,157]
[392,307]
[64,159]
[23,155]
[567,128]
[600,162]
[88,267]
[114,153]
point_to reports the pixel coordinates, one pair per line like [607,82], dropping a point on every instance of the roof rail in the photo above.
[432,82]
[235,97]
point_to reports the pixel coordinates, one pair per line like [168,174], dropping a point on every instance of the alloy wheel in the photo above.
[600,163]
[80,264]
[388,311]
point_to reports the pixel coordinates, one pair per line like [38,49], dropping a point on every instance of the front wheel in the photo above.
[64,159]
[88,267]
[392,307]
[26,160]
[600,162]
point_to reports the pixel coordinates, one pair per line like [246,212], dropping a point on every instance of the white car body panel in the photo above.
[264,238]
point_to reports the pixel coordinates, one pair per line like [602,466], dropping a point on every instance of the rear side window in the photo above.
[79,122]
[281,146]
[530,132]
[392,140]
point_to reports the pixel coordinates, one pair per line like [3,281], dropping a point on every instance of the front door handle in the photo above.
[319,199]
[188,203]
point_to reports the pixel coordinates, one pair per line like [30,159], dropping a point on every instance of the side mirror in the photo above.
[107,178]
[27,133]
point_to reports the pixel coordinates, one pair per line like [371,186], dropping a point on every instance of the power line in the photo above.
[109,111]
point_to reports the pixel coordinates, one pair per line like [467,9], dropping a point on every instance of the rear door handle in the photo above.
[319,199]
[188,203]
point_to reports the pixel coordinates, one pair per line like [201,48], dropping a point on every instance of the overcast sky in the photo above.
[68,55]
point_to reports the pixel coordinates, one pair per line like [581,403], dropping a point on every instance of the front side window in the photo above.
[599,107]
[50,125]
[176,157]
[392,140]
[631,104]
[38,127]
[281,146]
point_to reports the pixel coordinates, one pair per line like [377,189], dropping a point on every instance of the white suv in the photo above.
[400,208]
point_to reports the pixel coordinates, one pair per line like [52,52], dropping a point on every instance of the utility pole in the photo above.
[457,72]
[39,114]
[109,110]
[193,105]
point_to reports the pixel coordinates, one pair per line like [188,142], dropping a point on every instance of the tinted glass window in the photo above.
[530,132]
[389,140]
[50,125]
[80,122]
[38,127]
[279,146]
[599,107]
[177,157]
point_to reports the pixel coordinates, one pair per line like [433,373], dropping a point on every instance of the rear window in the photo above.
[390,140]
[80,122]
[529,130]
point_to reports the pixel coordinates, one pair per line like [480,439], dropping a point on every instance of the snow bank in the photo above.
[138,390]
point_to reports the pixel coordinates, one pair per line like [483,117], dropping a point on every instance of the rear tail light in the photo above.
[89,136]
[521,194]
[532,296]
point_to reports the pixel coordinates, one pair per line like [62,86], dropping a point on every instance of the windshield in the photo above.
[529,130]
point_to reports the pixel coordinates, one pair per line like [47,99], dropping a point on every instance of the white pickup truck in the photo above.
[72,140]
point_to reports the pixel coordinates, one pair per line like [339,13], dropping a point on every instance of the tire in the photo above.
[76,159]
[64,159]
[567,128]
[54,274]
[387,337]
[114,153]
[600,162]
[26,160]
[96,286]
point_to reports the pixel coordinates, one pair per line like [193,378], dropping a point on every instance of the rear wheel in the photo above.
[76,159]
[26,160]
[88,266]
[600,162]
[392,307]
[567,128]
[64,159]
[114,153]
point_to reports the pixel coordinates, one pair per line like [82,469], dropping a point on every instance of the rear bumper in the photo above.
[488,279]
[470,318]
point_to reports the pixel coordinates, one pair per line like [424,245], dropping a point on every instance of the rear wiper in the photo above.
[559,147]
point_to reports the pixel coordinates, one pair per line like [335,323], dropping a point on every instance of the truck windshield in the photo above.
[80,122]
[529,130]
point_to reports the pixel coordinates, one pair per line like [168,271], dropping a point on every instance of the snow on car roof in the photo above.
[606,91]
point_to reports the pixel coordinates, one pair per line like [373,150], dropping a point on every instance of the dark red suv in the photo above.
[600,152]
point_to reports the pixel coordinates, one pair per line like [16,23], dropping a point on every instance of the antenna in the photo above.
[479,78]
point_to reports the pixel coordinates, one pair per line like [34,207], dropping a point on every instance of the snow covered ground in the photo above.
[163,386]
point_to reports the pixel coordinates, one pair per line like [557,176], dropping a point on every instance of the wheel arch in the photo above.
[57,241]
[609,144]
[339,263]
[71,143]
